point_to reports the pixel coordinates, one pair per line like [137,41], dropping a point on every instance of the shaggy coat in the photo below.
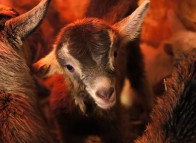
[20,118]
[174,115]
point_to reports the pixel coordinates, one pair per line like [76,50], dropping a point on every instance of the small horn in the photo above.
[130,26]
[24,24]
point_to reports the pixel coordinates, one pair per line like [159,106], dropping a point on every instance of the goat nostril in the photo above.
[110,91]
[105,93]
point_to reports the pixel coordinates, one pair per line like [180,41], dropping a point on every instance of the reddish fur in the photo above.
[20,118]
[59,87]
[176,108]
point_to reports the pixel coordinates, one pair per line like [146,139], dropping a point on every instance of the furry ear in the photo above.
[24,24]
[130,26]
[47,66]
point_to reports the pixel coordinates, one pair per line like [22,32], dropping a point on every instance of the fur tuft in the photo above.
[174,115]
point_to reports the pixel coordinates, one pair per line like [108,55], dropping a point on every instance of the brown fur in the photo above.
[20,118]
[72,125]
[174,115]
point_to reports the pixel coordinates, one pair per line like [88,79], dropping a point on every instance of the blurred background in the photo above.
[168,31]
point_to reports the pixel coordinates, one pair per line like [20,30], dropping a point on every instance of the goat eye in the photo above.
[115,54]
[69,68]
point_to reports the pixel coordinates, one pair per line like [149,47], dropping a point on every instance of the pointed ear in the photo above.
[24,24]
[47,66]
[130,26]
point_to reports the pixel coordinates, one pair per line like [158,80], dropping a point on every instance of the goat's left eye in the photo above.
[70,68]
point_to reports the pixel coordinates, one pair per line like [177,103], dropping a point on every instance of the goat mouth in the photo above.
[106,104]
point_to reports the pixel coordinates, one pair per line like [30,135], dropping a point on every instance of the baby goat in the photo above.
[20,118]
[85,52]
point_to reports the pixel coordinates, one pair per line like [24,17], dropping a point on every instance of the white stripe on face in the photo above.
[64,54]
[111,51]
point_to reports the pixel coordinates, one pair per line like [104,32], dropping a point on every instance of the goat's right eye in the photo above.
[69,68]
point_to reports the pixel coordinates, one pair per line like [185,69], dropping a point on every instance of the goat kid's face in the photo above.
[86,52]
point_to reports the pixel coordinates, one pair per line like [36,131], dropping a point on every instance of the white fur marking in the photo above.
[111,51]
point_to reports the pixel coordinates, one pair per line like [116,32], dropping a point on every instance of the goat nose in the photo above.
[105,93]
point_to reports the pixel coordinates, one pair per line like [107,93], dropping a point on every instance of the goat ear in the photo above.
[47,66]
[24,24]
[130,26]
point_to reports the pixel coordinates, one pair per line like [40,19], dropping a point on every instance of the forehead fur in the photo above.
[88,40]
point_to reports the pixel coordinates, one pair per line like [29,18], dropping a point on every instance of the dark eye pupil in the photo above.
[70,68]
[115,54]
